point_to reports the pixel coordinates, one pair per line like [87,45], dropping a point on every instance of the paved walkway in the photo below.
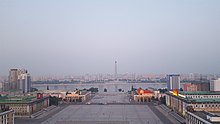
[134,114]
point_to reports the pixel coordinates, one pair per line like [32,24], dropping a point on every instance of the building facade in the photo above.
[143,95]
[215,85]
[78,97]
[173,81]
[196,86]
[193,101]
[24,82]
[13,79]
[25,106]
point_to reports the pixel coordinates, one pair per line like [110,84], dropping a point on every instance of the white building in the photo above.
[173,81]
[24,81]
[215,85]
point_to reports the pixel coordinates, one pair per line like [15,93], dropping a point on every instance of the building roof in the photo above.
[142,91]
[202,115]
[193,100]
[204,100]
[200,92]
[19,99]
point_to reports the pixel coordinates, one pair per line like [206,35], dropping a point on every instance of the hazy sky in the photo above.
[86,36]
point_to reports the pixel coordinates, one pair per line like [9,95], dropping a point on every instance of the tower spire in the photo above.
[116,71]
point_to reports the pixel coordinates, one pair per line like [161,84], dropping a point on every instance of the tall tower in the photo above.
[116,71]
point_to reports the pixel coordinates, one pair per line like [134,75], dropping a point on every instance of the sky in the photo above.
[69,37]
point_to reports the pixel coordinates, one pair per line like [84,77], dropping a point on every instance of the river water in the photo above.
[110,86]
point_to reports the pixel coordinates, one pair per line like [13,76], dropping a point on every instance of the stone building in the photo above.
[25,106]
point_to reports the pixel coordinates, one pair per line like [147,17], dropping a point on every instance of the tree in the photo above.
[152,98]
[93,90]
[48,88]
[120,90]
[33,89]
[132,88]
[54,100]
[105,90]
[163,100]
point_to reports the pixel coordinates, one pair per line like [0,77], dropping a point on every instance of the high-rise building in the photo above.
[215,85]
[173,81]
[24,81]
[13,79]
[15,76]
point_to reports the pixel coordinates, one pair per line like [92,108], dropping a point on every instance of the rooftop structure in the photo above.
[15,99]
[202,117]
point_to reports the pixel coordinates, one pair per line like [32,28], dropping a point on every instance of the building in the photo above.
[215,85]
[55,93]
[193,101]
[173,81]
[24,82]
[5,86]
[197,86]
[1,86]
[7,117]
[189,87]
[203,86]
[25,106]
[78,96]
[202,118]
[13,78]
[156,92]
[143,95]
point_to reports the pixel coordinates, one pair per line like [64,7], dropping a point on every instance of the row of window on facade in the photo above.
[204,96]
[207,105]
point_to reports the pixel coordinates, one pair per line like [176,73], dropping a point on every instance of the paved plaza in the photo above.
[110,98]
[115,114]
[107,113]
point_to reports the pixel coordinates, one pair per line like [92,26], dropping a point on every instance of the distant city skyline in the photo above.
[87,37]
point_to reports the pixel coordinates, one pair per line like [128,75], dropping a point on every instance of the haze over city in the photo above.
[79,37]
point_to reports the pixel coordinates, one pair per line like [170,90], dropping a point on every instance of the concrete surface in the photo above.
[131,114]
